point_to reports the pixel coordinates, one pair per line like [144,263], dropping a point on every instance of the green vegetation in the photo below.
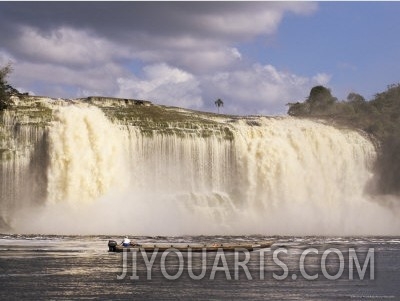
[380,117]
[5,89]
[169,120]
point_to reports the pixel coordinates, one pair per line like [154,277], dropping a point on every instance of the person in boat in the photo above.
[126,242]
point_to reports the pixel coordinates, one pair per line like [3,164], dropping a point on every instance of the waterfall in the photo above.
[23,166]
[85,152]
[277,175]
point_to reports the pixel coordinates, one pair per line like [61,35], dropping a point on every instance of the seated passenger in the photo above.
[126,242]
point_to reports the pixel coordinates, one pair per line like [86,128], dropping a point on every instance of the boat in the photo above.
[113,246]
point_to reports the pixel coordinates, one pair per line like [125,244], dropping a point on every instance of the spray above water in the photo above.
[276,176]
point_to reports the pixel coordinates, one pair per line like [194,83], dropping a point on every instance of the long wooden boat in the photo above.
[113,246]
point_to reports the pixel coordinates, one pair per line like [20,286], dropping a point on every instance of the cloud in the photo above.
[5,59]
[259,89]
[321,78]
[176,53]
[214,20]
[65,46]
[177,33]
[62,81]
[163,84]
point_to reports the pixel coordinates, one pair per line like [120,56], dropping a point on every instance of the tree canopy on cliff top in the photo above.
[5,89]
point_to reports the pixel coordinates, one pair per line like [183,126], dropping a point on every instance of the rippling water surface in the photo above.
[80,267]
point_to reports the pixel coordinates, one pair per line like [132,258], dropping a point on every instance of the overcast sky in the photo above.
[256,56]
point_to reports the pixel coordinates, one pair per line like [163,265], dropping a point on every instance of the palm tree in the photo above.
[219,103]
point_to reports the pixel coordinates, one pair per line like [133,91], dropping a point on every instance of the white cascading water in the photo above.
[277,176]
[22,159]
[86,154]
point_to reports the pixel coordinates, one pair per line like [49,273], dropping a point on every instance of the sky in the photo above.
[255,56]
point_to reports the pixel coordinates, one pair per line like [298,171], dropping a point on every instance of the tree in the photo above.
[319,102]
[5,89]
[320,99]
[357,101]
[219,103]
[355,98]
[298,109]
